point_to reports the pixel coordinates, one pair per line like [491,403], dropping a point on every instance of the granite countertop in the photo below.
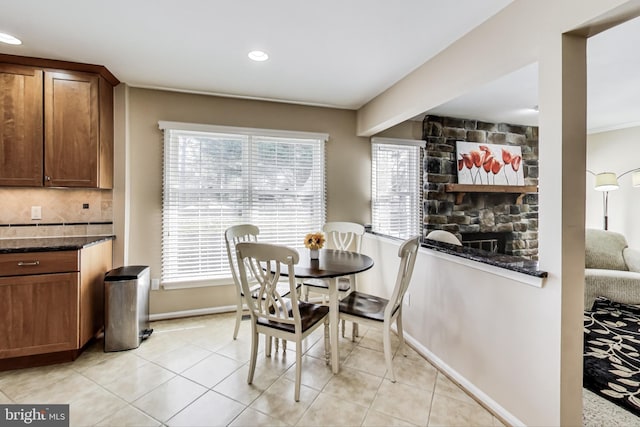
[46,244]
[508,262]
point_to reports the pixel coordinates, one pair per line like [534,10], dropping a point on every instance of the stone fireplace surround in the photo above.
[479,212]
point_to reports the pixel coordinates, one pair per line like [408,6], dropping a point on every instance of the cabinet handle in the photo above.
[28,263]
[47,178]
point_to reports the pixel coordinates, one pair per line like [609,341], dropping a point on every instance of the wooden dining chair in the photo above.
[232,236]
[380,312]
[343,236]
[271,313]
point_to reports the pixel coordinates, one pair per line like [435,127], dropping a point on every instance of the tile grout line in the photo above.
[127,403]
[433,395]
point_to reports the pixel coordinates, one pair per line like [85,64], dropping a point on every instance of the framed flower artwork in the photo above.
[489,164]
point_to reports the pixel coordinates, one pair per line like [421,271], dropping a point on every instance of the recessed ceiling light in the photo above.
[9,39]
[258,55]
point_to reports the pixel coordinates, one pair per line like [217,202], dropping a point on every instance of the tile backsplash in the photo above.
[65,212]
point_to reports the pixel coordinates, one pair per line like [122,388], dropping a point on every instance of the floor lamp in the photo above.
[608,181]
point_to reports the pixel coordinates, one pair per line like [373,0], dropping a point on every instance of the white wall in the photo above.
[138,184]
[525,32]
[488,330]
[615,151]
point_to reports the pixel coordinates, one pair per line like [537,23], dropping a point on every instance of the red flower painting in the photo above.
[489,164]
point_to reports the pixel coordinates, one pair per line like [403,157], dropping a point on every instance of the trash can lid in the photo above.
[130,272]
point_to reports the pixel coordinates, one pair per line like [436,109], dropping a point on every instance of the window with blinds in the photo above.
[396,207]
[215,177]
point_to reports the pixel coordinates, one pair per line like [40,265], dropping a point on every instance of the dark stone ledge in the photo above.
[508,262]
[46,244]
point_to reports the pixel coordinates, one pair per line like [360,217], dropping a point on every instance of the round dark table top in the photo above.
[331,263]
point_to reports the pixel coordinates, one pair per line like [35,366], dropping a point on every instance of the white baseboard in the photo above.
[190,313]
[478,394]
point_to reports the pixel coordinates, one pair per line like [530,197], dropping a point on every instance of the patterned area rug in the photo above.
[612,353]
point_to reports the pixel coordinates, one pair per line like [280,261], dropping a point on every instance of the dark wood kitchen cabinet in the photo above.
[51,303]
[57,124]
[38,314]
[21,130]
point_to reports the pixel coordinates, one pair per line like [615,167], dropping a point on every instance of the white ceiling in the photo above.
[613,87]
[338,53]
[510,99]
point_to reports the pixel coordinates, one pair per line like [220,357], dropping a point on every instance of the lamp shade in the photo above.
[606,181]
[635,179]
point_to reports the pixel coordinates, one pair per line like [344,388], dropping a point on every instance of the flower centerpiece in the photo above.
[314,242]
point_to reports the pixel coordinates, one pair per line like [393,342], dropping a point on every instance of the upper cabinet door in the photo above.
[72,128]
[21,153]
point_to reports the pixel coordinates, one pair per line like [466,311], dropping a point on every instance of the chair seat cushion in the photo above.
[343,284]
[364,305]
[310,314]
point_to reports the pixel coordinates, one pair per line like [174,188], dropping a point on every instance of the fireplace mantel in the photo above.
[462,189]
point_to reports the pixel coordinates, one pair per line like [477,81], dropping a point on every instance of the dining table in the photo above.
[330,265]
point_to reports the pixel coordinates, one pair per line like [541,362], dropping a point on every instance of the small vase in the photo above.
[315,253]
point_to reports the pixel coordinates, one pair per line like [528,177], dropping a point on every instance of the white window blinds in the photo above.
[215,177]
[396,187]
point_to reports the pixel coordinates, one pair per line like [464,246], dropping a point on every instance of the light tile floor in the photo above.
[191,372]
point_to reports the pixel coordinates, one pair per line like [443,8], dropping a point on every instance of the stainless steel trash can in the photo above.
[126,298]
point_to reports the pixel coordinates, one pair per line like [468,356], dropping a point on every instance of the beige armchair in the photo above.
[612,269]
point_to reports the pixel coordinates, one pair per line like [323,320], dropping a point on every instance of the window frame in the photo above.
[417,168]
[304,138]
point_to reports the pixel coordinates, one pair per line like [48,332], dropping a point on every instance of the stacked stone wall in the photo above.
[479,212]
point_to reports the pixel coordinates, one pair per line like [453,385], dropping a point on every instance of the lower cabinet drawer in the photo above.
[20,264]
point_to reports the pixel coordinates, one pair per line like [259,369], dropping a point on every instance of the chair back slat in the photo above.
[408,253]
[344,235]
[234,235]
[266,293]
[265,263]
